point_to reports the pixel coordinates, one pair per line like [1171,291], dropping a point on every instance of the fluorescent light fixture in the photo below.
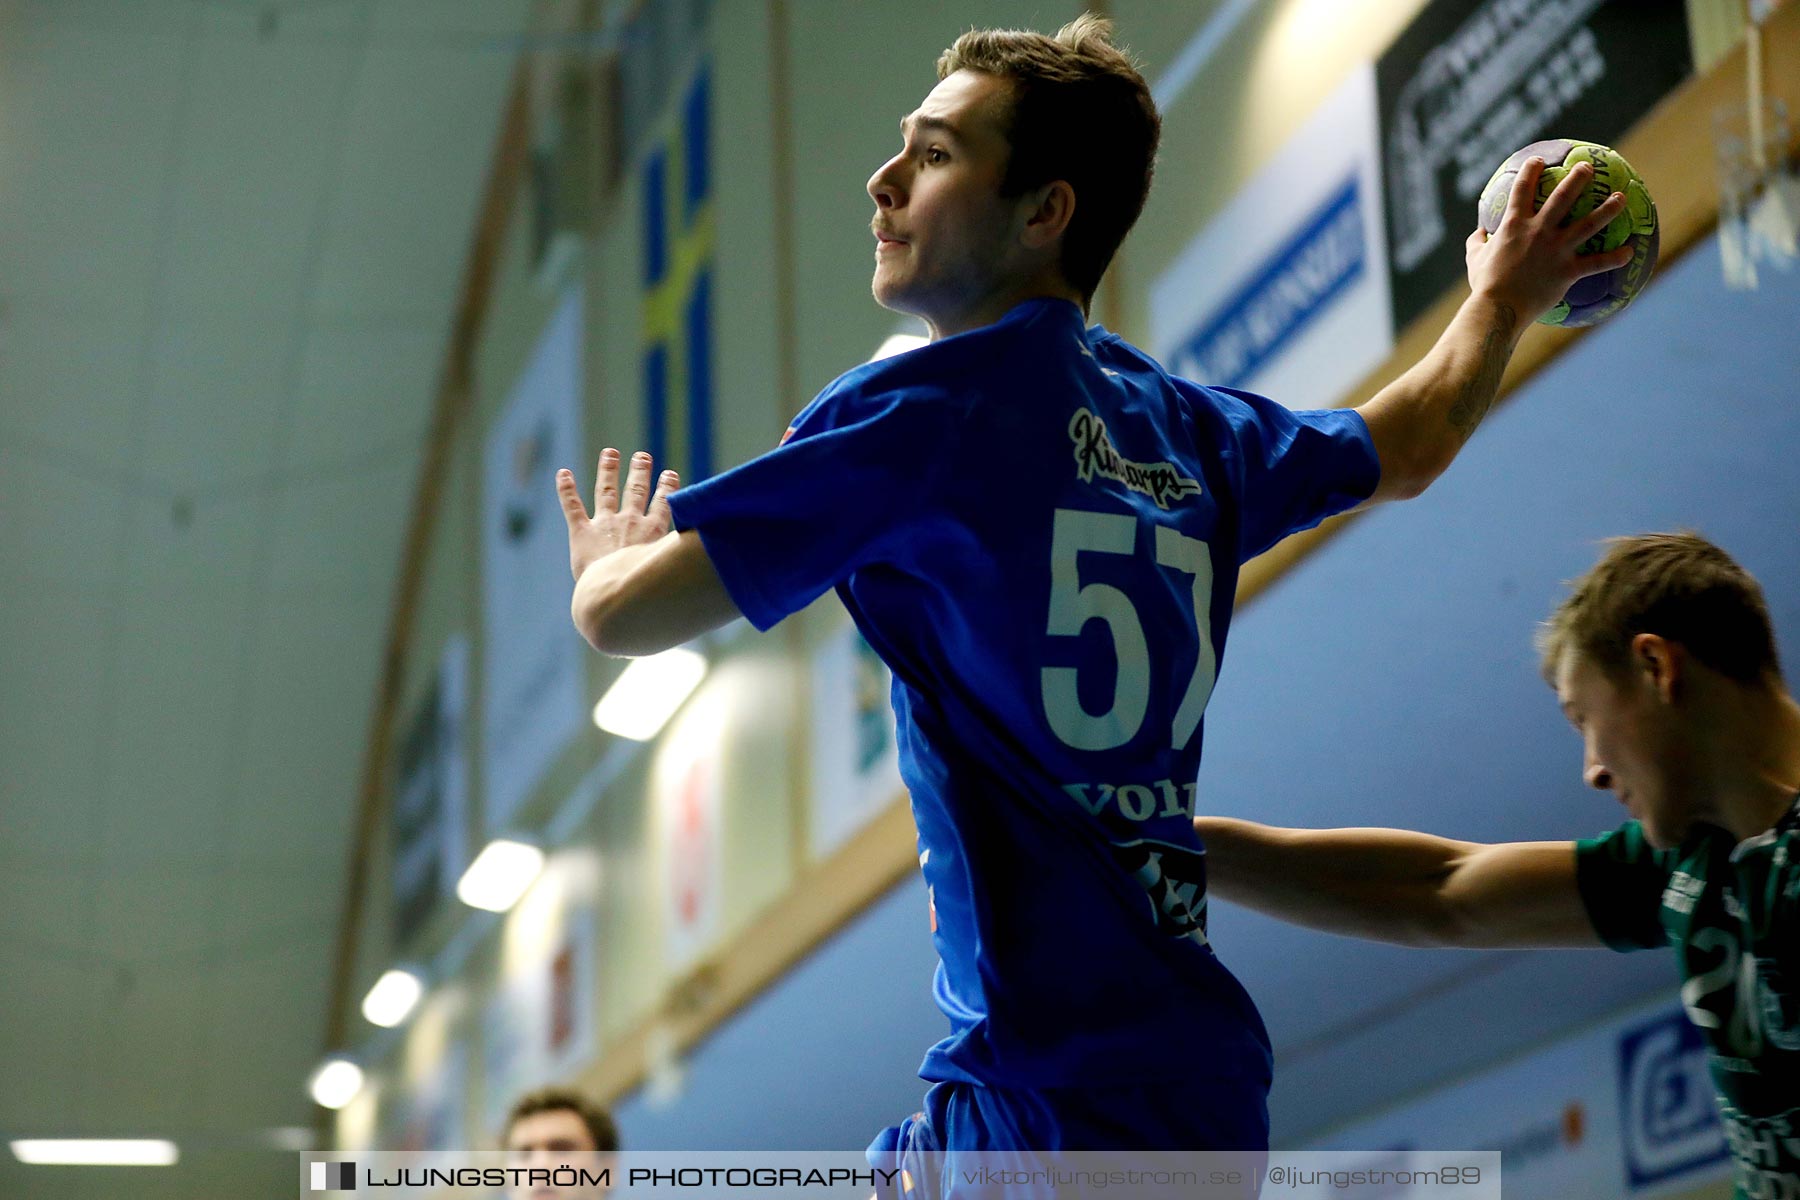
[96,1152]
[295,1139]
[898,343]
[641,701]
[392,998]
[335,1083]
[499,875]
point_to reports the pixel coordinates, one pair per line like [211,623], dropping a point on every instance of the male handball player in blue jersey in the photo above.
[1040,531]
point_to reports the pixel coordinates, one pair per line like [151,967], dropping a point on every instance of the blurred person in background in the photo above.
[560,1127]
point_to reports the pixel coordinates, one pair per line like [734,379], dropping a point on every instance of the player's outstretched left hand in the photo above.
[1533,258]
[624,517]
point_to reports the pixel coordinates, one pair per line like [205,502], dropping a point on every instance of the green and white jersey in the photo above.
[1731,910]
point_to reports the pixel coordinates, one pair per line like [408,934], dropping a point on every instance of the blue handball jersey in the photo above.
[1039,530]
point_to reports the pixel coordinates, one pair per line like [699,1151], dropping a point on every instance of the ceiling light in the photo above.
[335,1083]
[96,1152]
[295,1139]
[641,701]
[392,998]
[499,875]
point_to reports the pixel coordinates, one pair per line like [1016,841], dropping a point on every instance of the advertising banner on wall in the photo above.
[688,798]
[539,1024]
[512,1038]
[855,755]
[1626,1109]
[431,796]
[436,1109]
[533,661]
[1467,84]
[1283,292]
[569,1023]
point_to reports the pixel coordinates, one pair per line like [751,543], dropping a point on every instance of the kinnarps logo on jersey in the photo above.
[1096,455]
[1669,1122]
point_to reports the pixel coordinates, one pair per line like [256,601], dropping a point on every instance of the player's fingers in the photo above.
[606,482]
[570,496]
[1599,219]
[667,482]
[637,484]
[1522,202]
[1597,264]
[1569,190]
[1476,240]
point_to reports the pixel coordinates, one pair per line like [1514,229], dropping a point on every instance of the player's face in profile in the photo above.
[549,1139]
[944,234]
[1631,744]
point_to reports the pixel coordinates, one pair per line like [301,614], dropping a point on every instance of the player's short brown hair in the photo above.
[599,1122]
[1676,585]
[1082,113]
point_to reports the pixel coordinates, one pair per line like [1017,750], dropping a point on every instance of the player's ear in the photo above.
[1048,211]
[1659,661]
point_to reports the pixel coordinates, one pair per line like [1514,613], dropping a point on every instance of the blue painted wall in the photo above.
[821,1061]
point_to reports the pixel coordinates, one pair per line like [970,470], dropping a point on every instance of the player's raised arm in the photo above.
[1392,885]
[639,588]
[1420,421]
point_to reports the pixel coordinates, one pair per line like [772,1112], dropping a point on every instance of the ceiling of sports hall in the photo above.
[232,234]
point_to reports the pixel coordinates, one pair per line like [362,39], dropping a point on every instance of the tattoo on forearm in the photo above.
[1478,394]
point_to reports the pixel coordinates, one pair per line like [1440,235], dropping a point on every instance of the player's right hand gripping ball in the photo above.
[1596,297]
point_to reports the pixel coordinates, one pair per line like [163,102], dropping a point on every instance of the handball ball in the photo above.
[1596,297]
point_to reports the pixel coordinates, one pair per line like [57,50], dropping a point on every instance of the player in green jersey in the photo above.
[1663,657]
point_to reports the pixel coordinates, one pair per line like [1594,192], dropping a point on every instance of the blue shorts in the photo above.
[964,1126]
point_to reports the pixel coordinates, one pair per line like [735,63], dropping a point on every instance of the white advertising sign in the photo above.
[855,755]
[533,674]
[1285,292]
[429,814]
[689,811]
[435,1120]
[569,1029]
[512,1040]
[538,1026]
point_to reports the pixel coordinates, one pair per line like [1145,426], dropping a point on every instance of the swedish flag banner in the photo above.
[678,269]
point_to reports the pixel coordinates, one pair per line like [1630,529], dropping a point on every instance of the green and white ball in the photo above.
[1596,297]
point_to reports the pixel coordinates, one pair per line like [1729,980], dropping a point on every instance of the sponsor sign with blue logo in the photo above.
[1282,291]
[1669,1120]
[1292,287]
